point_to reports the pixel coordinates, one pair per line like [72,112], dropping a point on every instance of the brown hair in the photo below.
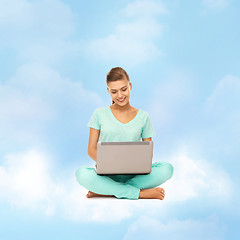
[115,74]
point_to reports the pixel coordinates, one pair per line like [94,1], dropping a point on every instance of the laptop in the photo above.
[124,157]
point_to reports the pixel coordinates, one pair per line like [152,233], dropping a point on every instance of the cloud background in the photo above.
[183,61]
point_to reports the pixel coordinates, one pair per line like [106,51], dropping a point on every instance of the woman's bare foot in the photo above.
[152,193]
[93,194]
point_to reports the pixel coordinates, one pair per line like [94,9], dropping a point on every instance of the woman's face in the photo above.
[120,91]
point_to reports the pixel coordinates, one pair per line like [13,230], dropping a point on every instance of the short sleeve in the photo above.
[147,130]
[94,121]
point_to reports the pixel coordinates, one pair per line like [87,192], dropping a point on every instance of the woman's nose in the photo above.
[119,95]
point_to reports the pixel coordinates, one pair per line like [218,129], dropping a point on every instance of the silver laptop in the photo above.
[124,157]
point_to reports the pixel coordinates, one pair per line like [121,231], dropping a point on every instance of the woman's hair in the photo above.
[115,74]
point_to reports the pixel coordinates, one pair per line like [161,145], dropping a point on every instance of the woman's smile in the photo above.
[121,100]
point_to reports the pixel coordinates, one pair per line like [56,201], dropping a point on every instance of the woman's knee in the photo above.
[82,174]
[169,170]
[165,168]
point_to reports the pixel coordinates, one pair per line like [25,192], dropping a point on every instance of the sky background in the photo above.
[183,60]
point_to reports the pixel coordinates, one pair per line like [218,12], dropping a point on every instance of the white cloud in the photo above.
[37,30]
[169,97]
[209,125]
[40,31]
[51,17]
[197,178]
[221,116]
[145,8]
[36,97]
[15,13]
[149,228]
[225,96]
[24,178]
[132,42]
[28,180]
[215,4]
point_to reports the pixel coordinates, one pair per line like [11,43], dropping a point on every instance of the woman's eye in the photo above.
[122,89]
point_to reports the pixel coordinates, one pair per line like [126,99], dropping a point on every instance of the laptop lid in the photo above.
[124,157]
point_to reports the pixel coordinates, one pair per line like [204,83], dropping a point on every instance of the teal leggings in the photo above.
[124,186]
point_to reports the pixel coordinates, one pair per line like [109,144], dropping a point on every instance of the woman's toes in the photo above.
[162,196]
[162,190]
[89,194]
[161,193]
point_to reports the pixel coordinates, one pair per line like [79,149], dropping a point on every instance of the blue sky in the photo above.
[183,61]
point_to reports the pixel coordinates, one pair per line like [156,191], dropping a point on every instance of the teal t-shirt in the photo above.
[112,130]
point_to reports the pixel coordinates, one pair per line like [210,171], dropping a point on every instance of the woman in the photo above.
[122,122]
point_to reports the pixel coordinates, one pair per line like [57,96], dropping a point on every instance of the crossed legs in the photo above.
[139,186]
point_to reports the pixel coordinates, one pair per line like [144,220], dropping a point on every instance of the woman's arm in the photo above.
[92,143]
[147,139]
